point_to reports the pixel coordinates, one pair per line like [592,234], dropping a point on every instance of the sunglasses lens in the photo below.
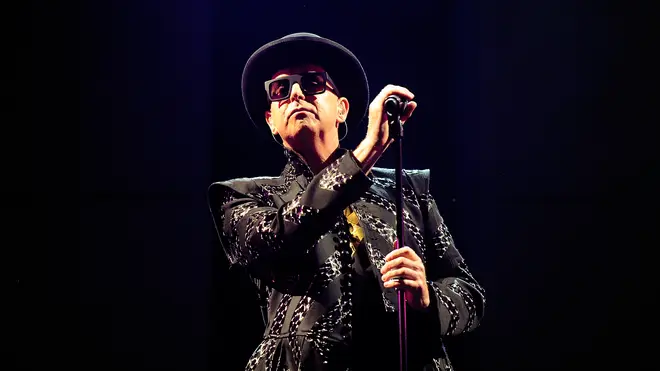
[279,89]
[313,83]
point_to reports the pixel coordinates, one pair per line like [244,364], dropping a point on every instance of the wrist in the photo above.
[367,153]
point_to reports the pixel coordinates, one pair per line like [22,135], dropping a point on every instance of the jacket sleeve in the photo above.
[256,235]
[457,298]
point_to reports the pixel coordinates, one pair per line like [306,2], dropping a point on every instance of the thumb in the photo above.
[410,108]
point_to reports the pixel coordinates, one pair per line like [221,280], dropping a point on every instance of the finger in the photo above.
[413,271]
[393,264]
[403,251]
[401,273]
[410,108]
[405,284]
[396,90]
[400,262]
[392,90]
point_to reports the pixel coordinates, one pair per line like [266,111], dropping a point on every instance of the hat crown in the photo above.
[301,34]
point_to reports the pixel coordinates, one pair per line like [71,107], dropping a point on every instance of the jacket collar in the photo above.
[297,168]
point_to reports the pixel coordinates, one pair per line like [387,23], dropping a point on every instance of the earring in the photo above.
[277,141]
[345,131]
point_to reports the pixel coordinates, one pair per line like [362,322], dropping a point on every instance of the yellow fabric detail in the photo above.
[357,234]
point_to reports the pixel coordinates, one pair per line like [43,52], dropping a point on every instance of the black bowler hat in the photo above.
[304,48]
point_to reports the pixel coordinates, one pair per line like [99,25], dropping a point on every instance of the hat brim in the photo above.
[340,63]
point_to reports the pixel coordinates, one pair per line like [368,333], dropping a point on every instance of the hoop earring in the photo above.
[276,141]
[345,131]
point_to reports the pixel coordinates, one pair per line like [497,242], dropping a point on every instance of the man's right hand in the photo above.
[378,136]
[378,129]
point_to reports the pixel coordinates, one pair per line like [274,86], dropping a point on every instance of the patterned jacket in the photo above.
[327,308]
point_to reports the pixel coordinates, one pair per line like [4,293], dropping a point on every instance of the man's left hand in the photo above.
[405,264]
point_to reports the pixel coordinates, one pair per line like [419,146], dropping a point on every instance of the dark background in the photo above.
[533,118]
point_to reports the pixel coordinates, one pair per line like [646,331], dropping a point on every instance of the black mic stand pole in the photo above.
[394,107]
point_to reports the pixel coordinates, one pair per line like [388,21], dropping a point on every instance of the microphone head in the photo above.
[394,105]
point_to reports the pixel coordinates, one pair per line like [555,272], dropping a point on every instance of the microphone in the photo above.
[395,105]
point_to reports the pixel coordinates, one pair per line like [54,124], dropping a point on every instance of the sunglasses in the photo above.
[311,83]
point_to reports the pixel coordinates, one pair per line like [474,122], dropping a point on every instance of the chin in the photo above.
[303,137]
[303,121]
[304,126]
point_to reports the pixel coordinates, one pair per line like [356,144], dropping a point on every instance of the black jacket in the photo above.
[327,307]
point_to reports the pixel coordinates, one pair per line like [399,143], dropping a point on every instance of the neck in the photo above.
[317,154]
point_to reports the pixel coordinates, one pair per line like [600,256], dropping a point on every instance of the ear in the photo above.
[269,121]
[342,110]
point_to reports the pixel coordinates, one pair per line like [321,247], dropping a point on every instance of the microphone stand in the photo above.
[394,107]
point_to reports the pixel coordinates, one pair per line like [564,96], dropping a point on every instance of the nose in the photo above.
[296,92]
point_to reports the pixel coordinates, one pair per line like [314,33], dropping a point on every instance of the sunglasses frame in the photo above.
[297,78]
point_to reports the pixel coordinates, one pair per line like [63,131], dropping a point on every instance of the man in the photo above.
[320,238]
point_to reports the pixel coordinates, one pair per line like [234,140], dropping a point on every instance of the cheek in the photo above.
[325,117]
[327,111]
[278,124]
[278,117]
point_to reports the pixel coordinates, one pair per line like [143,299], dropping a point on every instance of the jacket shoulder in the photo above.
[418,179]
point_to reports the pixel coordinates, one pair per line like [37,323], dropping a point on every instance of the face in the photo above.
[307,120]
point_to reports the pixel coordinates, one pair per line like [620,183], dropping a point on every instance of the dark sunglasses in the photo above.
[310,82]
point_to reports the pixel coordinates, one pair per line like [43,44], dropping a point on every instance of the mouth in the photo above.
[299,110]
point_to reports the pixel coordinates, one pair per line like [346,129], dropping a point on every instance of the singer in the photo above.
[319,241]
